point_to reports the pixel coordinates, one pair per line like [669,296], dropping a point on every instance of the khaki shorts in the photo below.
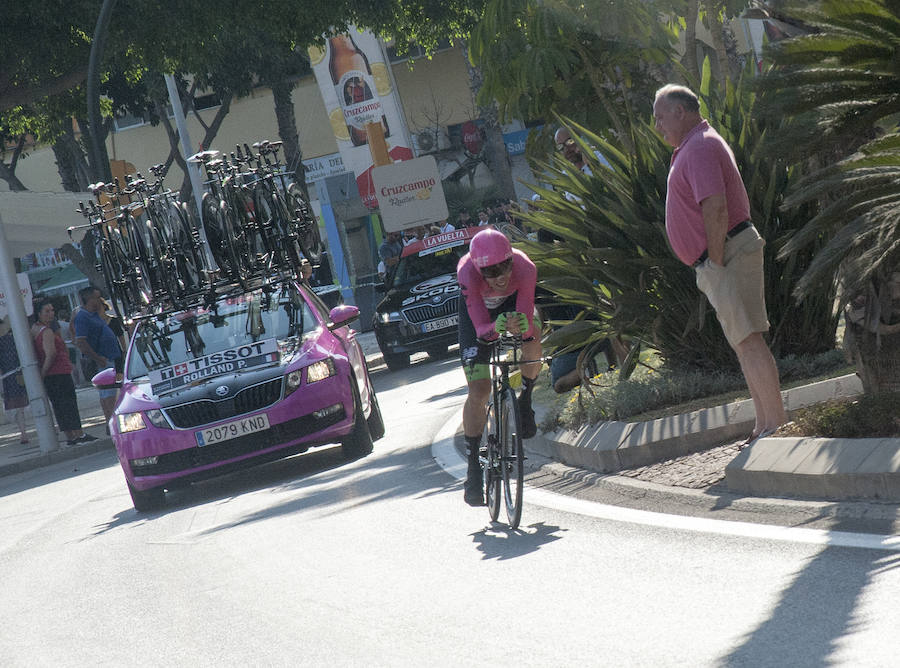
[737,290]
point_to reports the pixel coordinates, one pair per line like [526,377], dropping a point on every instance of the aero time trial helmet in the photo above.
[489,247]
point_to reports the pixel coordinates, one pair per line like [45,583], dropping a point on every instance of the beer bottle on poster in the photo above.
[355,87]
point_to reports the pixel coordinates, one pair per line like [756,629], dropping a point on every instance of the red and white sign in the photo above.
[27,297]
[471,137]
[438,242]
[409,193]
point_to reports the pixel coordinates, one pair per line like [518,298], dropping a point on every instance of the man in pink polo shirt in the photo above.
[708,225]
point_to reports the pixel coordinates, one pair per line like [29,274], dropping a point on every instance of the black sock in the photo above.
[472,444]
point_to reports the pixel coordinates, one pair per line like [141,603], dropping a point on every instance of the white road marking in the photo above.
[449,459]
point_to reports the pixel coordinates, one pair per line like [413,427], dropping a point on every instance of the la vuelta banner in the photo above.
[356,87]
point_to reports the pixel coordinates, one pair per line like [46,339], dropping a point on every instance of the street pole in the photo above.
[18,322]
[192,167]
[100,164]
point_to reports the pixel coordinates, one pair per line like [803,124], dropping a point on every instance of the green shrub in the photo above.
[615,261]
[869,416]
[649,389]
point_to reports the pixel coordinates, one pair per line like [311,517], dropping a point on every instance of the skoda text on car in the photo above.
[258,377]
[420,311]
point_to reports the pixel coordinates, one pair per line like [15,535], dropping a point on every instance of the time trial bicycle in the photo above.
[502,455]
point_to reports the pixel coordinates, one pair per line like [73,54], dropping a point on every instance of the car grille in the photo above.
[190,458]
[253,398]
[425,312]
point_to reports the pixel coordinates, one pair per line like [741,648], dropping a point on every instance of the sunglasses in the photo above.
[567,142]
[496,270]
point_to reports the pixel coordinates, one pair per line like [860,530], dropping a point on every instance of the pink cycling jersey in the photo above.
[480,297]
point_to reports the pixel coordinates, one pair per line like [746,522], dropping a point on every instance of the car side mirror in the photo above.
[341,315]
[105,380]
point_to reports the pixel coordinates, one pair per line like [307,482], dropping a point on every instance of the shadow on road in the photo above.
[499,542]
[62,470]
[386,380]
[817,609]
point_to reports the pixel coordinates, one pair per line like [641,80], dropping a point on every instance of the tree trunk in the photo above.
[689,60]
[95,172]
[714,16]
[175,155]
[495,155]
[877,358]
[8,172]
[287,131]
[71,162]
[209,135]
[85,261]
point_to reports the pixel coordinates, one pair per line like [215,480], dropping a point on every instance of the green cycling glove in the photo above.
[501,321]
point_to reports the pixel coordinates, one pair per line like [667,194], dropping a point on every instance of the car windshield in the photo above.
[428,264]
[237,321]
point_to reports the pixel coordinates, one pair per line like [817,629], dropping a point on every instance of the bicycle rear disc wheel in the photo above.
[140,269]
[190,268]
[214,229]
[491,472]
[307,226]
[112,272]
[512,458]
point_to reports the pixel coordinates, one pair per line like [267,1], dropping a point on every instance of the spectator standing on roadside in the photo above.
[464,220]
[63,317]
[390,250]
[564,372]
[15,396]
[56,371]
[709,228]
[97,343]
[446,226]
[115,324]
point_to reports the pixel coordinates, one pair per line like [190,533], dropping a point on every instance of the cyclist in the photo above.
[497,285]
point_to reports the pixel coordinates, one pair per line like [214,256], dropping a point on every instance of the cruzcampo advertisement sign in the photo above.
[357,89]
[409,193]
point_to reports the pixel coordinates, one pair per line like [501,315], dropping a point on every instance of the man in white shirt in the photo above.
[446,226]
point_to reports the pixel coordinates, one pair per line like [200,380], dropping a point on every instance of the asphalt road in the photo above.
[315,561]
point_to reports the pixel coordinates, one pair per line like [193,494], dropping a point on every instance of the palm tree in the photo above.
[841,87]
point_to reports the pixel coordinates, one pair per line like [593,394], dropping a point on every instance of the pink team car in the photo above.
[261,376]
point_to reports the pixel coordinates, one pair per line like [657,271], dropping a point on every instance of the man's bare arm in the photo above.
[715,220]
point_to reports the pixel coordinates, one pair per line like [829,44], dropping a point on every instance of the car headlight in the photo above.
[320,371]
[157,419]
[130,422]
[393,316]
[292,381]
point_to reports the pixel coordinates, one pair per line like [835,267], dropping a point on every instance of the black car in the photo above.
[419,313]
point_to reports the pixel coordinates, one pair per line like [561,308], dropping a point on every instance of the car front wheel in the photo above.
[396,361]
[148,499]
[358,443]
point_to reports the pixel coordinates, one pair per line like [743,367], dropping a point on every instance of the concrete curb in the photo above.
[831,468]
[614,446]
[716,498]
[834,469]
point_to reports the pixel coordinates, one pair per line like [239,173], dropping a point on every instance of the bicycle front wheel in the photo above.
[491,465]
[512,457]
